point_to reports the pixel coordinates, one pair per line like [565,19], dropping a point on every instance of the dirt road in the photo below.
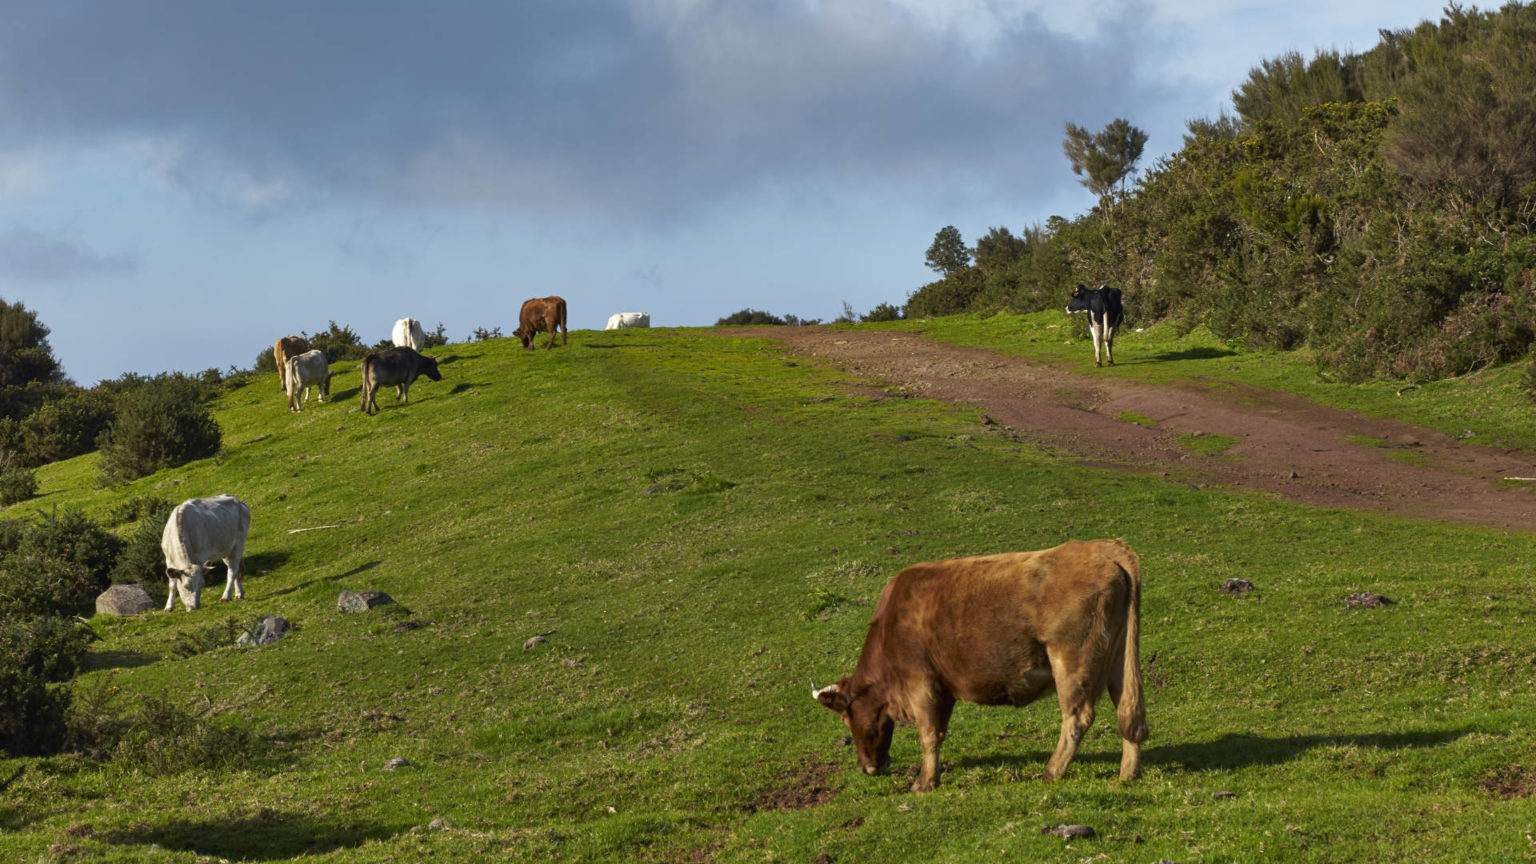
[1287,445]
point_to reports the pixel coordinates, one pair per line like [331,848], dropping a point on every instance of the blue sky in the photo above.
[182,182]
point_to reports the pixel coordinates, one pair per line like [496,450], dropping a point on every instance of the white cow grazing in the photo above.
[408,334]
[304,371]
[202,530]
[621,320]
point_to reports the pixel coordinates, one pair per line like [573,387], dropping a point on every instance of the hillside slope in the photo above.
[697,525]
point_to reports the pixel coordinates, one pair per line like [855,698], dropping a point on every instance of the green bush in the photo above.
[65,427]
[35,652]
[161,424]
[750,316]
[17,484]
[1530,378]
[34,585]
[72,537]
[156,737]
[142,559]
[882,312]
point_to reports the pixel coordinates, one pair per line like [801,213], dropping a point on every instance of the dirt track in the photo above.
[1288,446]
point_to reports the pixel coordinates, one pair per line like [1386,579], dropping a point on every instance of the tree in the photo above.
[1107,157]
[999,249]
[948,254]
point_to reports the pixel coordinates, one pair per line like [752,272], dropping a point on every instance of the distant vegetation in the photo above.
[1377,207]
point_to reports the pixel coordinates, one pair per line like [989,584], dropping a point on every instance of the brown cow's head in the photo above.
[864,711]
[525,335]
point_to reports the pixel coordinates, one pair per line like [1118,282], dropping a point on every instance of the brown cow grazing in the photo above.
[288,346]
[395,366]
[1000,630]
[541,313]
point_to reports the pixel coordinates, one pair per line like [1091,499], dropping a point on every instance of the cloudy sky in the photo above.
[183,181]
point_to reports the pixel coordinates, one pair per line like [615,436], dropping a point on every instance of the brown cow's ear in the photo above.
[832,698]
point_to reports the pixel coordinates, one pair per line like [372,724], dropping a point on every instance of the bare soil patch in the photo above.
[1511,781]
[802,787]
[1286,445]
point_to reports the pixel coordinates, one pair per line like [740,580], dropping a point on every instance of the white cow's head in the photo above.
[188,584]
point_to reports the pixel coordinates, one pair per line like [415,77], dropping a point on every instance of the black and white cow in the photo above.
[1104,314]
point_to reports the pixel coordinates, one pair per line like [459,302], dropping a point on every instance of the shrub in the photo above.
[337,343]
[65,427]
[156,737]
[161,424]
[142,559]
[481,334]
[72,537]
[436,337]
[882,312]
[17,484]
[34,652]
[34,585]
[135,508]
[749,316]
[1530,378]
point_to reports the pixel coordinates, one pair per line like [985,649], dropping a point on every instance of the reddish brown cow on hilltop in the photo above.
[1000,630]
[541,313]
[288,346]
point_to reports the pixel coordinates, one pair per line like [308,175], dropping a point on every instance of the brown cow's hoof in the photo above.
[920,787]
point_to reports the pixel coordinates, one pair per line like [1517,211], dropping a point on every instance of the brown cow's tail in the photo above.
[1132,710]
[560,309]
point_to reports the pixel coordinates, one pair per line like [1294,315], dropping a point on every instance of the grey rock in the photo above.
[1237,586]
[268,630]
[397,762]
[532,641]
[1366,599]
[124,600]
[1068,831]
[361,601]
[438,824]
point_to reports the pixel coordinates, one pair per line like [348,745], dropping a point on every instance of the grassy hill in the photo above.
[697,527]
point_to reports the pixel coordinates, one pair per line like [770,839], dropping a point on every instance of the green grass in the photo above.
[1138,419]
[1204,444]
[697,532]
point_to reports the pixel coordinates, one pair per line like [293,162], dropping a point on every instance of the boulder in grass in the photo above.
[361,601]
[268,630]
[1237,587]
[1367,600]
[124,600]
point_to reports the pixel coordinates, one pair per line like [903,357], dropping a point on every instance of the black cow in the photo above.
[1104,314]
[397,366]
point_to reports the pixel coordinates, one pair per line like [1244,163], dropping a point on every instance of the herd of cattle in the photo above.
[994,629]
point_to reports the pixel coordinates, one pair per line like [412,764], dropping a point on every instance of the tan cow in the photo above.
[541,313]
[288,346]
[1000,630]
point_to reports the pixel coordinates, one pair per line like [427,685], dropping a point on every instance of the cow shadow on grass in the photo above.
[461,387]
[450,359]
[1230,751]
[347,395]
[262,563]
[616,345]
[115,660]
[267,835]
[1191,354]
[361,568]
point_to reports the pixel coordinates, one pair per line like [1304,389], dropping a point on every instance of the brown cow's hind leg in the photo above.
[1076,691]
[1130,750]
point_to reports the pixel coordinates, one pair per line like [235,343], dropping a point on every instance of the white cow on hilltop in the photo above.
[408,334]
[304,371]
[621,320]
[202,530]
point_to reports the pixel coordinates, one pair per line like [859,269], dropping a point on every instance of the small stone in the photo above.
[1367,600]
[1067,832]
[532,641]
[963,438]
[1224,795]
[397,762]
[361,601]
[651,489]
[124,600]
[1237,587]
[1467,433]
[270,629]
[437,824]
